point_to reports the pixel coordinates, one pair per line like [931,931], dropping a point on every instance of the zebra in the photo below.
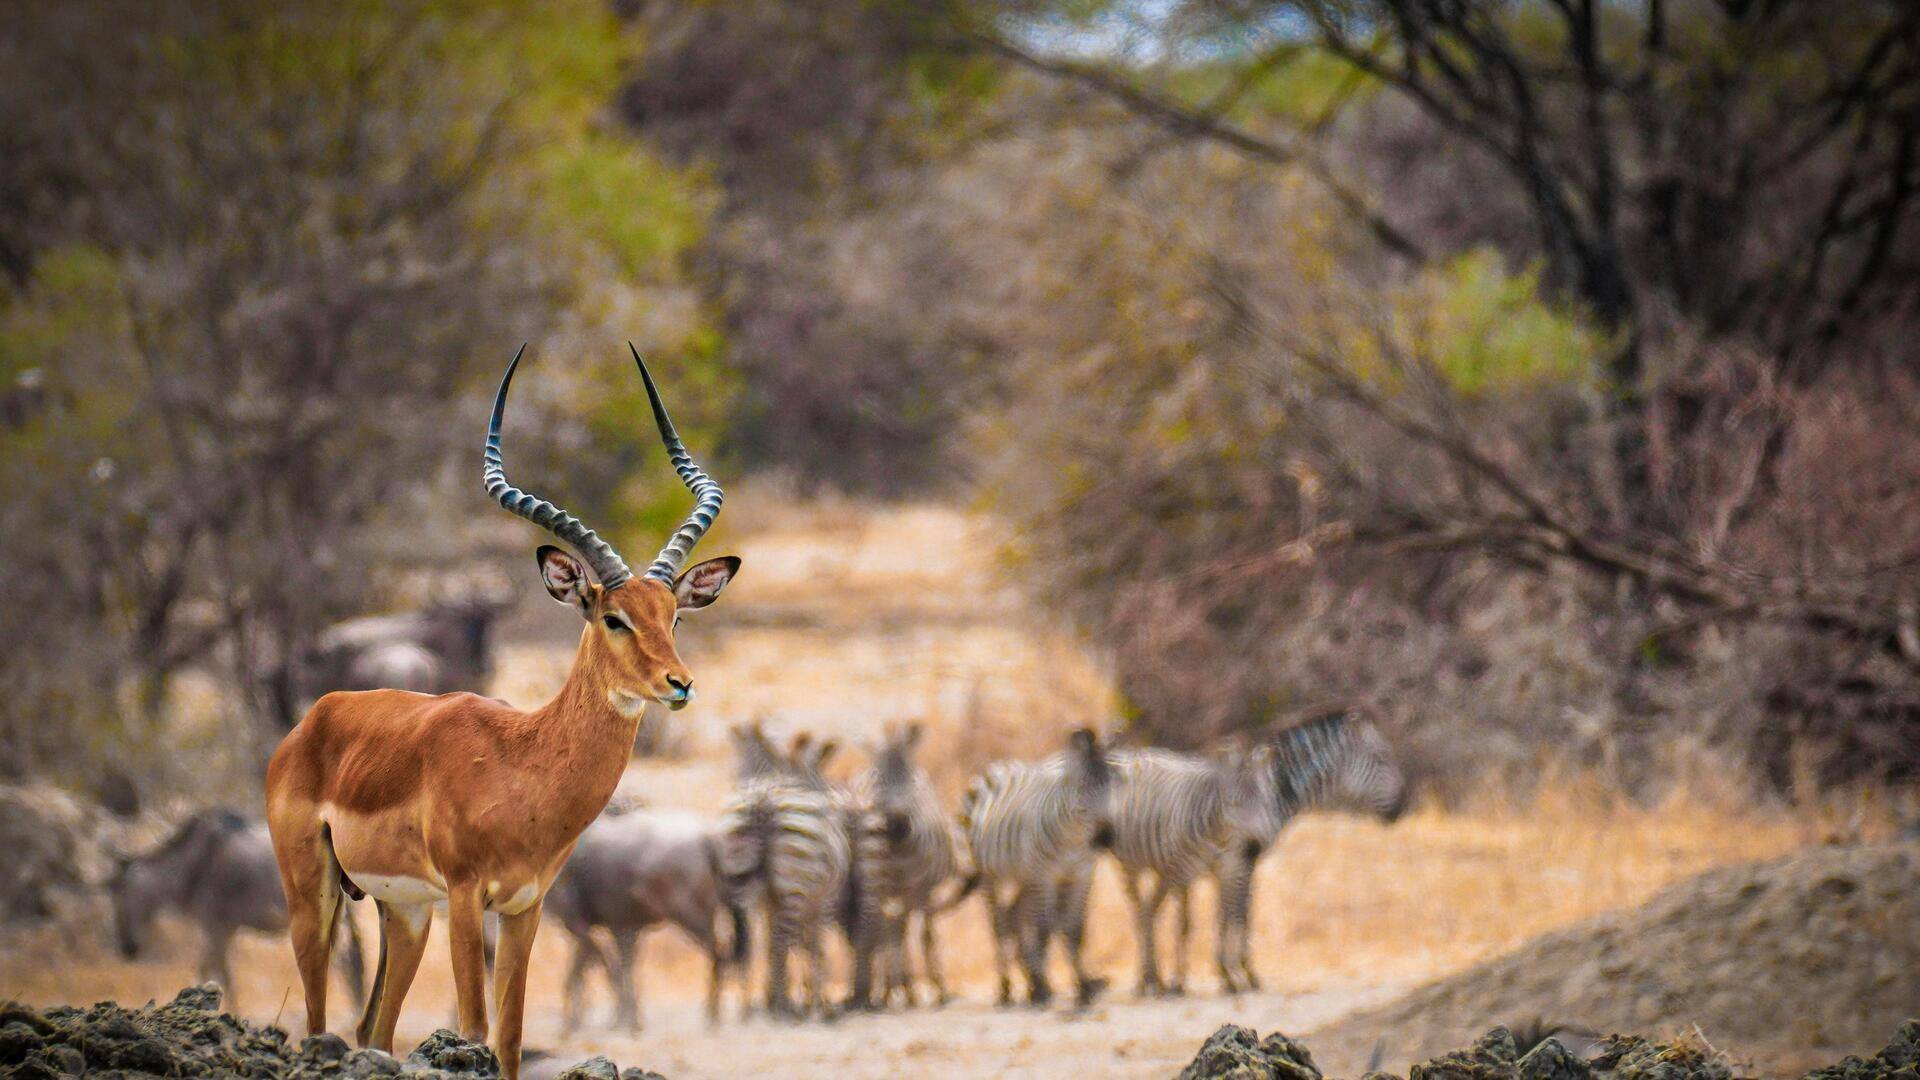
[1174,815]
[1336,761]
[784,836]
[754,755]
[905,848]
[1032,830]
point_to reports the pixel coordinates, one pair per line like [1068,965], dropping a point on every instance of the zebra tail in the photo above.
[966,888]
[732,895]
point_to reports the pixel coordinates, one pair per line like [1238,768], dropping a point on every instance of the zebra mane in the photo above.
[894,766]
[1305,753]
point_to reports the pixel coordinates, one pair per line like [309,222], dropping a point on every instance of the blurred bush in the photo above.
[263,266]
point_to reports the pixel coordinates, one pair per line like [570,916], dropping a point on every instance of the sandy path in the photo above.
[1123,1038]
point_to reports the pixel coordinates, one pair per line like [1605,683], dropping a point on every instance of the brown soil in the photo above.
[1784,965]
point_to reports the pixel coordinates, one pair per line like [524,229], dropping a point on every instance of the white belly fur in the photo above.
[398,889]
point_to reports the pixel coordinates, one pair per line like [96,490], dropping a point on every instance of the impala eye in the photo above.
[613,623]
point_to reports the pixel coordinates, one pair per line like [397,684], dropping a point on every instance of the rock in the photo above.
[205,998]
[447,1052]
[1629,1057]
[1493,1057]
[1549,1060]
[17,1040]
[1899,1061]
[322,1049]
[1238,1053]
[365,1063]
[38,1065]
[640,1074]
[594,1068]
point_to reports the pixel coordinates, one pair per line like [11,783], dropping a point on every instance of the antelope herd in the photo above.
[471,806]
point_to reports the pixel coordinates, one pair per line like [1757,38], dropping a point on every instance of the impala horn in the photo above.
[706,494]
[604,561]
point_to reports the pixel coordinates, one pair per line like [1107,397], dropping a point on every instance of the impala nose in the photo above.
[680,692]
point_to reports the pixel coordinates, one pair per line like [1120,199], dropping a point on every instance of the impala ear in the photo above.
[701,585]
[565,578]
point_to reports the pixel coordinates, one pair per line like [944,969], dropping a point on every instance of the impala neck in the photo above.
[594,739]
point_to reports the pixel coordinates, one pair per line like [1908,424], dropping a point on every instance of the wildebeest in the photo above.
[440,648]
[634,871]
[217,869]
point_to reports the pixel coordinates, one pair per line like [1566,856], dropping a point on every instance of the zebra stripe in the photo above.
[785,838]
[1174,816]
[1030,829]
[1336,761]
[905,848]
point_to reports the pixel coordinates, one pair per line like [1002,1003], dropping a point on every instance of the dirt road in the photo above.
[1123,1038]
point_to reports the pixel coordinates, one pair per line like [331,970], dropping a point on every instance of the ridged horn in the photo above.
[706,494]
[601,558]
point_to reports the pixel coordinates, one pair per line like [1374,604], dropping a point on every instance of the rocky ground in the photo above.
[1237,1053]
[189,1036]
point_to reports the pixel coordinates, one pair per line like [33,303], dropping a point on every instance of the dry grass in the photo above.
[843,620]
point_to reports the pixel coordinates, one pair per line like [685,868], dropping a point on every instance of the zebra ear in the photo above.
[826,750]
[1086,743]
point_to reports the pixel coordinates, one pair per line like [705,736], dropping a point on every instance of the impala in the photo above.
[417,800]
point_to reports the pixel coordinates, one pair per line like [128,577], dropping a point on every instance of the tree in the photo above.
[262,257]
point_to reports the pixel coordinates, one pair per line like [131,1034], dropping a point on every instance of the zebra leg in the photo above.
[1000,916]
[1243,923]
[1183,938]
[902,970]
[810,940]
[930,958]
[1223,929]
[1073,930]
[1148,981]
[1033,916]
[779,941]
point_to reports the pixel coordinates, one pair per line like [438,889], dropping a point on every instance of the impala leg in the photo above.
[403,940]
[311,879]
[510,985]
[466,933]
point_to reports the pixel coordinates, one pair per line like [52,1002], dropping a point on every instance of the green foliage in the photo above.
[1488,329]
[1301,89]
[609,193]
